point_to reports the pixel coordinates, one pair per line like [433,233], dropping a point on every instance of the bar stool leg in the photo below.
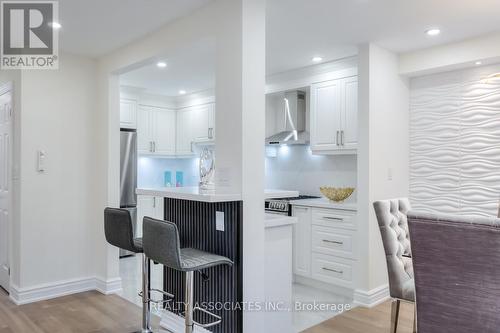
[189,299]
[146,305]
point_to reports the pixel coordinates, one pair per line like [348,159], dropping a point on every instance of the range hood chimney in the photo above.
[291,121]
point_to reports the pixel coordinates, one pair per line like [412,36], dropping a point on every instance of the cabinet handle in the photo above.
[332,270]
[332,218]
[154,146]
[210,133]
[150,146]
[338,142]
[333,242]
[192,150]
[342,137]
[154,202]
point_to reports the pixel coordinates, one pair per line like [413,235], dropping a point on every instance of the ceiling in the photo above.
[297,30]
[191,69]
[97,27]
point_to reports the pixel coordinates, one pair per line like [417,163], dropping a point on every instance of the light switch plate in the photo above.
[219,221]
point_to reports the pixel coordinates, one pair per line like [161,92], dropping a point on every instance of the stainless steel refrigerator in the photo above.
[128,176]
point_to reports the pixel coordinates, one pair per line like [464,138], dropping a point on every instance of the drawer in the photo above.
[335,270]
[334,218]
[337,242]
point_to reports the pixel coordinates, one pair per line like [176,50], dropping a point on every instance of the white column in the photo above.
[240,122]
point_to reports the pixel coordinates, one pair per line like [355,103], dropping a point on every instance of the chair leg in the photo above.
[189,300]
[415,318]
[146,305]
[395,315]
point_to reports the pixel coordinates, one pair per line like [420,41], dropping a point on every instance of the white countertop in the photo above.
[325,203]
[276,220]
[218,195]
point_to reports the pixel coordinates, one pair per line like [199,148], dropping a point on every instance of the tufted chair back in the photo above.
[393,224]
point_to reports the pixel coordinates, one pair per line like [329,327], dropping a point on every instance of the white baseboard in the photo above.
[63,288]
[107,287]
[372,297]
[175,324]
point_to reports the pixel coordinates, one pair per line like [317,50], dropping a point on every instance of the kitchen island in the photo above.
[211,221]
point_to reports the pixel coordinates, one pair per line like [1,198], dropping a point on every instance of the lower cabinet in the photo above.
[324,245]
[148,206]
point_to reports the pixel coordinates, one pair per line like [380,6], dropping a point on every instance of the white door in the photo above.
[6,113]
[163,129]
[144,139]
[325,115]
[350,113]
[128,113]
[302,241]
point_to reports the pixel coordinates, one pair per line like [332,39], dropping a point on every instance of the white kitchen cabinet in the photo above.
[334,116]
[128,113]
[156,129]
[184,132]
[148,206]
[302,241]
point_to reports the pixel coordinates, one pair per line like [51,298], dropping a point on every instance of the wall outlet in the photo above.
[219,221]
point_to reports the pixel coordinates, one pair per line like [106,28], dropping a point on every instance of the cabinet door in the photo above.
[163,124]
[200,120]
[158,208]
[302,241]
[144,135]
[183,135]
[349,137]
[128,113]
[145,207]
[326,115]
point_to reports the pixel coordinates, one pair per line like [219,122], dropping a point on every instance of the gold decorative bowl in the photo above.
[337,194]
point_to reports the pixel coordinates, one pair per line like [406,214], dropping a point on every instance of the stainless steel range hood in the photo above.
[291,121]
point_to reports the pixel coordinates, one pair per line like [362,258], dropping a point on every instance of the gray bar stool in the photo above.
[119,232]
[161,244]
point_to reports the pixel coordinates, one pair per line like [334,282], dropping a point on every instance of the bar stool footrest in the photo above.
[213,315]
[162,301]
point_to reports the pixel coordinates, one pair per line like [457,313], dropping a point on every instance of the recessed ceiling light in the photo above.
[479,63]
[55,25]
[317,59]
[433,32]
[182,92]
[161,64]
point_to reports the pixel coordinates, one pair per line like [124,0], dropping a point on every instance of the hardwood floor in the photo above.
[92,312]
[89,312]
[364,320]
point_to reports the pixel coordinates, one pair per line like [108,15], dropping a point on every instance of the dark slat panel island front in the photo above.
[211,221]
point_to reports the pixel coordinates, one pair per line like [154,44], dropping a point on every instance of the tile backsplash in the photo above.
[296,168]
[151,171]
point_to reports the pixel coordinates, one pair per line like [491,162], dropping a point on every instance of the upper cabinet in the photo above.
[334,116]
[195,124]
[156,131]
[128,113]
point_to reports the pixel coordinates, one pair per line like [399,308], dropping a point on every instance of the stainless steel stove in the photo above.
[282,206]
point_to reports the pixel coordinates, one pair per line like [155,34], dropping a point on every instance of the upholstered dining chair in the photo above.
[393,224]
[457,273]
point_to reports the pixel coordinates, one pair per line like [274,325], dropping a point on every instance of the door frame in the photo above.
[5,88]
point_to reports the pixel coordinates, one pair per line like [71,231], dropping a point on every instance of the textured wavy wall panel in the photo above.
[455,144]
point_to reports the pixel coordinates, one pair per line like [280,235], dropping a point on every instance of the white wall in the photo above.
[455,142]
[296,168]
[57,116]
[383,150]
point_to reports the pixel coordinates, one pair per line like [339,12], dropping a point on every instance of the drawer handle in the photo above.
[333,270]
[332,218]
[333,242]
